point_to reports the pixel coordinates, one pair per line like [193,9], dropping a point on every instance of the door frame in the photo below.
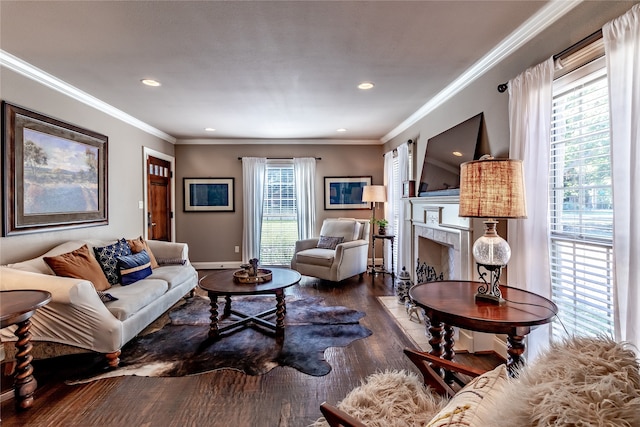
[146,151]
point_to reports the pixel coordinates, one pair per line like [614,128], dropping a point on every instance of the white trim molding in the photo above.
[541,20]
[24,68]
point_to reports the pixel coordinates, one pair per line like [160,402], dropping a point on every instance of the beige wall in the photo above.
[213,235]
[124,157]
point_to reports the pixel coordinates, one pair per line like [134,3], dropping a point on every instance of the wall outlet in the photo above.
[140,204]
[237,249]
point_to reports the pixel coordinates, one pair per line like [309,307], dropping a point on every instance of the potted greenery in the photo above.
[382,226]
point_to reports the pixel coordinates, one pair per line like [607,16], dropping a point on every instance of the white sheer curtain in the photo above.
[403,173]
[304,170]
[622,50]
[530,101]
[253,176]
[393,198]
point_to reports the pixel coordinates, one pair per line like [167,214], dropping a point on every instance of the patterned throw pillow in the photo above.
[107,257]
[328,242]
[134,267]
[106,297]
[138,245]
[476,402]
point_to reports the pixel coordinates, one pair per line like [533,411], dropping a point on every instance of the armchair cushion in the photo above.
[347,229]
[317,256]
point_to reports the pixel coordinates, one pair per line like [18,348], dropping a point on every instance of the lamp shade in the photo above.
[374,193]
[492,188]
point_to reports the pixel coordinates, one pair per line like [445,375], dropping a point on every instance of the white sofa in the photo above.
[346,260]
[76,315]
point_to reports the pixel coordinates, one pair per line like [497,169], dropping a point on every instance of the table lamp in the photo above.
[376,194]
[492,188]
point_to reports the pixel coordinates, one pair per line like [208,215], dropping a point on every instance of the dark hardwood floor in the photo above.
[283,397]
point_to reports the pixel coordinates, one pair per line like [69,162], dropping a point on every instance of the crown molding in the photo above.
[231,141]
[24,68]
[538,22]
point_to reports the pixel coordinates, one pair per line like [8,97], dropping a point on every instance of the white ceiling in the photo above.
[260,69]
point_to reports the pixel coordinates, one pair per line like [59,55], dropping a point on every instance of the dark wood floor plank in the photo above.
[283,397]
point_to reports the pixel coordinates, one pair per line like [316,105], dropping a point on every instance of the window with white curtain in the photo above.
[395,215]
[581,203]
[279,222]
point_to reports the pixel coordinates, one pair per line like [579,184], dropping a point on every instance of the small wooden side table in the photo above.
[383,270]
[16,308]
[452,303]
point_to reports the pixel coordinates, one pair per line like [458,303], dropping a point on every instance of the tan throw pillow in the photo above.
[139,245]
[80,265]
[476,402]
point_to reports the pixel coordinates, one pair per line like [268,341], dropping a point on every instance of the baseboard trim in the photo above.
[216,265]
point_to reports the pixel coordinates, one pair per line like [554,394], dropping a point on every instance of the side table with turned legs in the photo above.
[16,308]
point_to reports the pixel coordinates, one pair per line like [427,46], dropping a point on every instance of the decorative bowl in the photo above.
[242,277]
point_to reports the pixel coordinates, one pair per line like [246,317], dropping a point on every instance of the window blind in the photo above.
[581,203]
[279,222]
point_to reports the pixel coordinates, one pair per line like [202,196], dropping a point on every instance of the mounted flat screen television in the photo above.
[445,153]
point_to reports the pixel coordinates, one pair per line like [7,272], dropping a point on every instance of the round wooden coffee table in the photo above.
[16,308]
[452,303]
[221,284]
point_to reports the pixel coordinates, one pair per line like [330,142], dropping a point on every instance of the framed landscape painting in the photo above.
[345,192]
[208,195]
[54,173]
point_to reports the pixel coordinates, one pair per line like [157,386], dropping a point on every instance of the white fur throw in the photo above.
[579,382]
[391,399]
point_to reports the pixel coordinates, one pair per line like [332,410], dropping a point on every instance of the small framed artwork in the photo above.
[208,195]
[345,192]
[54,173]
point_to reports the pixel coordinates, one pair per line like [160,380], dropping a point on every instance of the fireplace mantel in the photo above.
[436,219]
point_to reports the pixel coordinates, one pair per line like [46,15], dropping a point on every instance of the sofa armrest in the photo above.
[169,250]
[74,307]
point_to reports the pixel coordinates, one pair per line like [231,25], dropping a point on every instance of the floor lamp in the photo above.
[376,194]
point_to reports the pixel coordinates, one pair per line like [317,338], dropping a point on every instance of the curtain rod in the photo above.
[282,158]
[596,35]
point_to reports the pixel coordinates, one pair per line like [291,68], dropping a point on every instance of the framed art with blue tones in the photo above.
[345,192]
[208,195]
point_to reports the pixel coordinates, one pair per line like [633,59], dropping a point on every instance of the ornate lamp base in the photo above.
[489,291]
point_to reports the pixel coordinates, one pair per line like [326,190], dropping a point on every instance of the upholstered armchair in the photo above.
[340,252]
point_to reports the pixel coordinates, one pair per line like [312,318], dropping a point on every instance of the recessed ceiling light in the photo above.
[210,129]
[457,154]
[366,85]
[150,82]
[341,130]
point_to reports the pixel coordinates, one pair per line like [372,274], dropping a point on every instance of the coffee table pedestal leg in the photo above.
[213,328]
[281,309]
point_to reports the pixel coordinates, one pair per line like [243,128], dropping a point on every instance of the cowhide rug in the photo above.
[181,347]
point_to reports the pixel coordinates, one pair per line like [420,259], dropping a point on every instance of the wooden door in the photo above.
[159,199]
